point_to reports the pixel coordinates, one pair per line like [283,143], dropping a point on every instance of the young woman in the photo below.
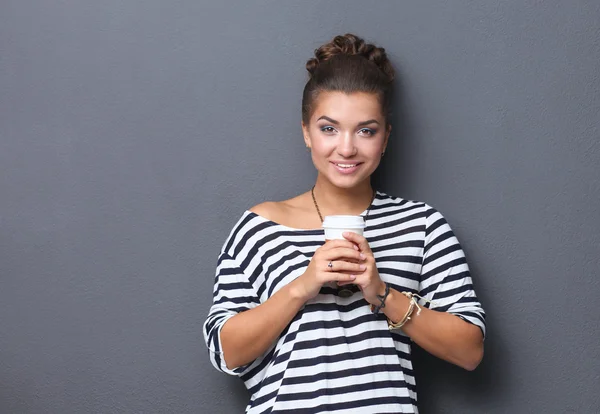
[277,320]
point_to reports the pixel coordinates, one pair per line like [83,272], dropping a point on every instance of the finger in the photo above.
[343,253]
[332,244]
[360,241]
[345,267]
[341,277]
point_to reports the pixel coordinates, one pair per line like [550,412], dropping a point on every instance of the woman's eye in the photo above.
[328,129]
[367,131]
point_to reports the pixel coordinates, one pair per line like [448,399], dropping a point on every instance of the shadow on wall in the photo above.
[393,174]
[236,392]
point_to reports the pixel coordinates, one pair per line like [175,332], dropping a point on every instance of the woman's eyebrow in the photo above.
[333,121]
[370,121]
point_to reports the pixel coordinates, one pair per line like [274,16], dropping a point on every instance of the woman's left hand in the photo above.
[369,281]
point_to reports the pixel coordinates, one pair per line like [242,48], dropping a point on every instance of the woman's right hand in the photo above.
[346,262]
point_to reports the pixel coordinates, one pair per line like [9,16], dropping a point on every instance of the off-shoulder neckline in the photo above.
[288,228]
[273,223]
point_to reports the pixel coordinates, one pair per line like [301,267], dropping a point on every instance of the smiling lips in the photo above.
[346,168]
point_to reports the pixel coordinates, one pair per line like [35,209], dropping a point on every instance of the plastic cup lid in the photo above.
[344,222]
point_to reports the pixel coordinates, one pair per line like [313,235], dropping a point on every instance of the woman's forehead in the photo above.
[343,107]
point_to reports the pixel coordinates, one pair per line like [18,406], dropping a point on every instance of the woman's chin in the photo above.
[347,182]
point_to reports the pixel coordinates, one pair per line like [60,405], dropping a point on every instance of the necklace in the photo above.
[312,192]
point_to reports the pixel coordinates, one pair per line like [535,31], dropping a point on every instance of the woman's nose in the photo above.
[346,147]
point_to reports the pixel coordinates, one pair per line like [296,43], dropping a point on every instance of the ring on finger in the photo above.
[330,264]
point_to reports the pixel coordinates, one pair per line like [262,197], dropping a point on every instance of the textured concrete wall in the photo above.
[134,134]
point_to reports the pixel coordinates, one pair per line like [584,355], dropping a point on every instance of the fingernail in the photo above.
[362,267]
[352,277]
[362,256]
[356,248]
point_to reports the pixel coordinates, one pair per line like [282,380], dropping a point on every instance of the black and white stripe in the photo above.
[335,355]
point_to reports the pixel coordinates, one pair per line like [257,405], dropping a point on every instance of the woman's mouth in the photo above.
[346,167]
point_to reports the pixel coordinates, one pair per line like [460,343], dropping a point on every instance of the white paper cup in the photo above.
[335,226]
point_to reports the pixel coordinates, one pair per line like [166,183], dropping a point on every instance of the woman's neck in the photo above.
[334,200]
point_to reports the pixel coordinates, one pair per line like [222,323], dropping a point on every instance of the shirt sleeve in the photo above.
[445,276]
[232,294]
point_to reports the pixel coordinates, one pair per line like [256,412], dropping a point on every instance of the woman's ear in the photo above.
[387,137]
[306,135]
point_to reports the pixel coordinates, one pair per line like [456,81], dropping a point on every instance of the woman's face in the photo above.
[347,134]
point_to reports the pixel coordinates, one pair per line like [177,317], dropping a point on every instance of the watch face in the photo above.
[347,290]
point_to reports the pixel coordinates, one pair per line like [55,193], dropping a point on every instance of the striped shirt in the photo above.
[335,355]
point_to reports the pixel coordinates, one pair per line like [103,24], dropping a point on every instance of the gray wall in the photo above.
[134,134]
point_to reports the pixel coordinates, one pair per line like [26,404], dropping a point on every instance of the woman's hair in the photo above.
[348,64]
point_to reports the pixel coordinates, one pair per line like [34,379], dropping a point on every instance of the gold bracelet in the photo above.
[411,307]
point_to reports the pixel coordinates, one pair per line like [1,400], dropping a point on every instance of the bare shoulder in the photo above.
[287,212]
[269,209]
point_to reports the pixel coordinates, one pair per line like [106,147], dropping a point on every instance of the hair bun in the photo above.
[351,45]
